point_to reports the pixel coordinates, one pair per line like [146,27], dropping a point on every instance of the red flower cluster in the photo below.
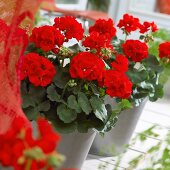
[120,64]
[100,36]
[136,50]
[47,37]
[117,84]
[146,26]
[129,23]
[70,27]
[19,149]
[38,69]
[95,41]
[164,50]
[87,66]
[104,27]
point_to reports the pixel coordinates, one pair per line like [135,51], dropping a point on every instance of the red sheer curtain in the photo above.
[13,40]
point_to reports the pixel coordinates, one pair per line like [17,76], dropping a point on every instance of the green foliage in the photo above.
[65,114]
[52,94]
[31,95]
[146,80]
[84,103]
[159,36]
[80,107]
[33,112]
[113,113]
[137,76]
[61,78]
[73,104]
[34,101]
[99,4]
[99,108]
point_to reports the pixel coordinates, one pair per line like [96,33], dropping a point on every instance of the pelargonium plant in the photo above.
[144,68]
[68,84]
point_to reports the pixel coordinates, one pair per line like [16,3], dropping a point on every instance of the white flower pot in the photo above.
[118,138]
[75,147]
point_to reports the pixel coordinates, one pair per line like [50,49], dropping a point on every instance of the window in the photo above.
[72,4]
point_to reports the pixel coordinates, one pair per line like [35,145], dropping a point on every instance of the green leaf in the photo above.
[159,36]
[44,106]
[112,118]
[125,104]
[33,112]
[62,77]
[153,64]
[58,124]
[73,104]
[140,95]
[137,76]
[99,108]
[84,124]
[94,88]
[154,148]
[31,95]
[65,128]
[65,114]
[84,103]
[52,93]
[158,93]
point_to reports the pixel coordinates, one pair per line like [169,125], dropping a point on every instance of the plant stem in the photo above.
[62,63]
[28,165]
[65,87]
[126,37]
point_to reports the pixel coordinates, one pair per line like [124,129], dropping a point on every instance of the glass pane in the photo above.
[144,5]
[66,1]
[160,6]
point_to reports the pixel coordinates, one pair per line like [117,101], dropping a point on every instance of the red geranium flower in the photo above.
[18,140]
[128,23]
[120,64]
[38,69]
[164,50]
[70,27]
[87,66]
[46,37]
[95,41]
[105,27]
[146,26]
[117,84]
[136,50]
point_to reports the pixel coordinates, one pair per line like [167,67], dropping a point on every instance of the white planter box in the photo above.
[118,138]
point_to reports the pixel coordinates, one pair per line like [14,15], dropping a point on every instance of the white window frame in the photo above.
[80,5]
[124,6]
